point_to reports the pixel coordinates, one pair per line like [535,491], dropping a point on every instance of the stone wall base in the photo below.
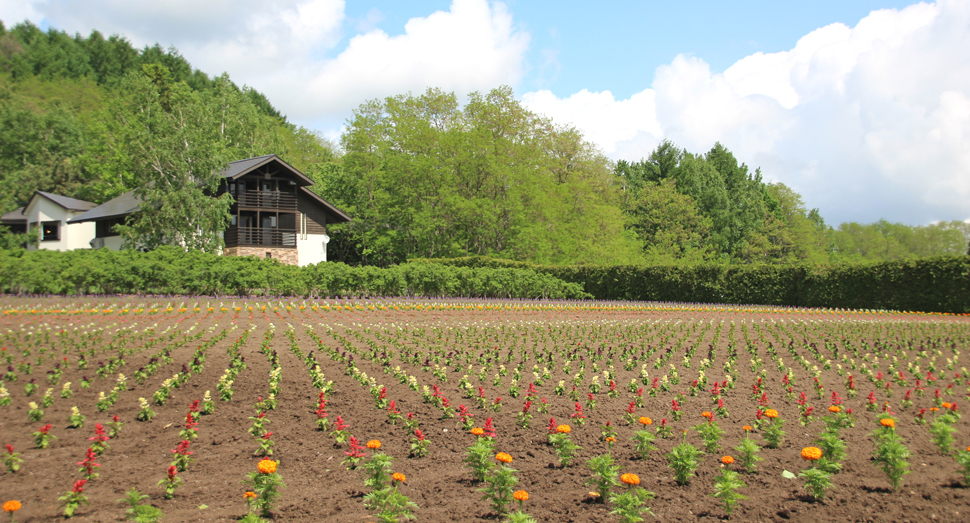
[285,256]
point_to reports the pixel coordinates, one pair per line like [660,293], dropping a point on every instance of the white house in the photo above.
[274,214]
[51,214]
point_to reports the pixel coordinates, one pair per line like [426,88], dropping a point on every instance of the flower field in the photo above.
[490,410]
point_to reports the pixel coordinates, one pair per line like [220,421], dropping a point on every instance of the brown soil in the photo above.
[318,488]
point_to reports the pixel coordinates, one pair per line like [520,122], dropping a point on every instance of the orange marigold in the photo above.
[811,453]
[520,495]
[563,429]
[835,409]
[630,479]
[267,466]
[645,420]
[933,409]
[747,428]
[727,460]
[397,476]
[374,444]
[610,439]
[12,506]
[946,405]
[771,413]
[503,457]
[887,422]
[707,414]
[478,431]
[249,495]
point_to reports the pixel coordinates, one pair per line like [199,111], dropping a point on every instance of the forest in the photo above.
[426,175]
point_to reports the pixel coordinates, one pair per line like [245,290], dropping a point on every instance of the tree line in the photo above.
[422,175]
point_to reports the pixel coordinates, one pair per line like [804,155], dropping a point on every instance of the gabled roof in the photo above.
[70,204]
[240,167]
[128,203]
[121,206]
[336,214]
[14,216]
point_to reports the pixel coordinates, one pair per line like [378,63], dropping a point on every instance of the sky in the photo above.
[861,106]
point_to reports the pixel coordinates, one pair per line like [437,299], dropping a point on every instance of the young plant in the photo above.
[963,459]
[100,439]
[378,468]
[171,482]
[891,454]
[748,452]
[114,427]
[391,506]
[726,489]
[629,505]
[772,429]
[817,481]
[643,443]
[340,433]
[136,511]
[478,458]
[75,420]
[942,434]
[11,460]
[519,516]
[419,445]
[499,484]
[833,450]
[34,413]
[42,438]
[683,459]
[604,475]
[565,448]
[355,455]
[265,482]
[265,445]
[146,413]
[710,432]
[208,406]
[74,498]
[183,457]
[88,465]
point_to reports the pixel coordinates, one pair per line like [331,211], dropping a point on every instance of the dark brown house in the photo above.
[274,215]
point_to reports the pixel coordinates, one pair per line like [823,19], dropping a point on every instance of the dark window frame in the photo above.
[57,234]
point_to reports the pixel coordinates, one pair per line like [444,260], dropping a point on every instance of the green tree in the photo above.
[669,224]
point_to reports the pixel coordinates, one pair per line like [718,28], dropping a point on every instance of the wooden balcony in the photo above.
[253,236]
[279,201]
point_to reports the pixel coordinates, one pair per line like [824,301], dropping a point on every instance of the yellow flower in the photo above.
[811,453]
[887,422]
[478,431]
[771,413]
[563,429]
[267,466]
[373,444]
[645,420]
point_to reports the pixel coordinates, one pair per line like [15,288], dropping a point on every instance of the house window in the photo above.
[50,231]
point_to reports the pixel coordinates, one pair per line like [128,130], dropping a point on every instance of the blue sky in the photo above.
[616,46]
[863,107]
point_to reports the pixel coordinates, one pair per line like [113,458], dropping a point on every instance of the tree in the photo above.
[175,144]
[432,178]
[669,224]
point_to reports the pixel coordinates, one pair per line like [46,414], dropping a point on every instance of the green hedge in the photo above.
[172,271]
[940,284]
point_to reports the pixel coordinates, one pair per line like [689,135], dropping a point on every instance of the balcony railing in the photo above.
[245,236]
[266,200]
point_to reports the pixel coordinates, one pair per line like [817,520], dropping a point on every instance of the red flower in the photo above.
[79,486]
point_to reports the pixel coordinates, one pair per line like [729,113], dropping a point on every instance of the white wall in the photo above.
[312,250]
[74,236]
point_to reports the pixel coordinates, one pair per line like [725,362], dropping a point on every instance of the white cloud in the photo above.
[866,122]
[291,49]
